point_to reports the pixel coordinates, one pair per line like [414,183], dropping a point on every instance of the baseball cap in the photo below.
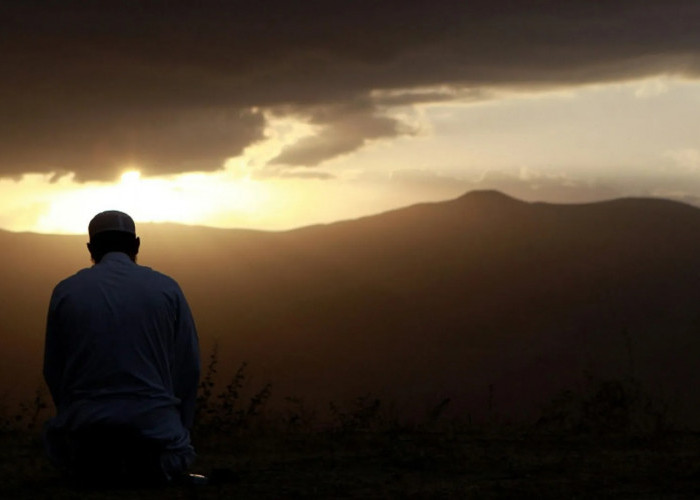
[111,220]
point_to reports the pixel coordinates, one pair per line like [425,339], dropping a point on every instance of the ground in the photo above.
[415,463]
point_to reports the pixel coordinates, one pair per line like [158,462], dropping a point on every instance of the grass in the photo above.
[399,464]
[606,440]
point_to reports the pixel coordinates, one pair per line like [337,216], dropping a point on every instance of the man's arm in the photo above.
[53,351]
[186,366]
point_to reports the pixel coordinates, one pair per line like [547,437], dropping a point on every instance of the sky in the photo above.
[277,114]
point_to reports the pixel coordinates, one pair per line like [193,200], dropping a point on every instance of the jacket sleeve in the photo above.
[186,365]
[54,356]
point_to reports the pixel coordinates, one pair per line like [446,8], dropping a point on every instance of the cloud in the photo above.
[157,142]
[687,159]
[652,88]
[174,86]
[294,173]
[425,179]
[342,129]
[532,185]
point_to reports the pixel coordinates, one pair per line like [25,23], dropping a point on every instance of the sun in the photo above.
[192,198]
[130,177]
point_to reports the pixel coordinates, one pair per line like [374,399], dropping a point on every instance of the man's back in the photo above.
[121,353]
[118,329]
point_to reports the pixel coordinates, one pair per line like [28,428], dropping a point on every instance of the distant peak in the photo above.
[488,195]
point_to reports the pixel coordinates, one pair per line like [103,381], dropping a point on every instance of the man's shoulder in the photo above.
[94,274]
[155,276]
[77,277]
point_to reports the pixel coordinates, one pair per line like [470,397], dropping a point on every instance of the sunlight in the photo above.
[244,193]
[241,194]
[186,199]
[598,137]
[130,177]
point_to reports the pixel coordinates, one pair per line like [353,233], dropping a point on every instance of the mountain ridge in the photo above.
[435,300]
[492,197]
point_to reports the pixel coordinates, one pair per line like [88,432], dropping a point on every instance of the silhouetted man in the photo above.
[122,363]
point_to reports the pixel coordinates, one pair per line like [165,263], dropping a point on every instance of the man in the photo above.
[122,364]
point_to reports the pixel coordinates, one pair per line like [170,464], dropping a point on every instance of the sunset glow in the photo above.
[317,131]
[577,145]
[187,199]
[472,226]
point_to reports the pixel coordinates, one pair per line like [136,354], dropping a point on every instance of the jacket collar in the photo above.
[116,257]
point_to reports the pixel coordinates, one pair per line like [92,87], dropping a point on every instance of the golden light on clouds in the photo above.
[636,138]
[230,197]
[188,199]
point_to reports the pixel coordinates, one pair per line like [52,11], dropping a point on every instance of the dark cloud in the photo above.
[173,85]
[162,141]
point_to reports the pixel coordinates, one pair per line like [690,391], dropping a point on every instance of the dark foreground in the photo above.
[401,464]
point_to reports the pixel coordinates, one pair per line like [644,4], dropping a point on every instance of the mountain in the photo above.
[490,301]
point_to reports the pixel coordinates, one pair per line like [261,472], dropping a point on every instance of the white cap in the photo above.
[111,220]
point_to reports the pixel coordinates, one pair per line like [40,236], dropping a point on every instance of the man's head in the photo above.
[112,231]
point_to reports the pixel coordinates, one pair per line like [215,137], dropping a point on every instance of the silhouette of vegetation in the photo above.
[229,410]
[29,416]
[605,438]
[612,407]
[365,413]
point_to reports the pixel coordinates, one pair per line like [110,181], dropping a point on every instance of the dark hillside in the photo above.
[431,301]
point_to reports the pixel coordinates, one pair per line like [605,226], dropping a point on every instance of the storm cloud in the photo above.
[177,86]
